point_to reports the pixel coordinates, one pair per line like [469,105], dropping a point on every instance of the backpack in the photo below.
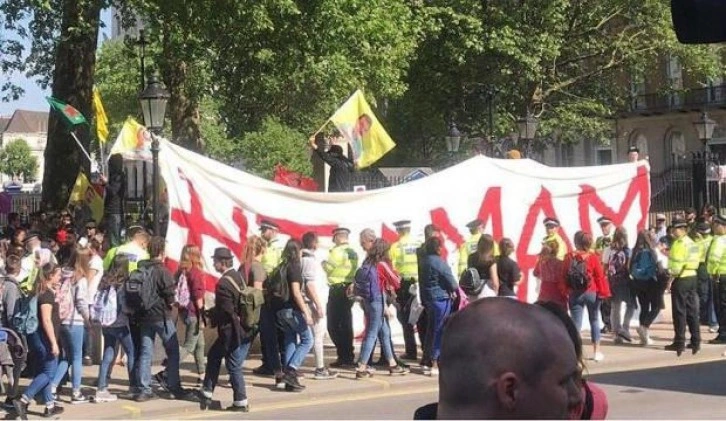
[25,320]
[471,283]
[182,295]
[140,291]
[644,266]
[104,308]
[366,282]
[577,277]
[64,298]
[249,305]
[276,288]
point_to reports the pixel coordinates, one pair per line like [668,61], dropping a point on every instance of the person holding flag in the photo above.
[341,167]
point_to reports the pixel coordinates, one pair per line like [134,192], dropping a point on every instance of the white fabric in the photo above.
[97,265]
[520,193]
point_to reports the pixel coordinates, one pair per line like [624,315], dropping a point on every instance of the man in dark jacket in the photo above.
[232,342]
[113,205]
[341,167]
[157,321]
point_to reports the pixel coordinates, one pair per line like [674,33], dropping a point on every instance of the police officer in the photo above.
[702,237]
[340,267]
[683,262]
[716,267]
[602,248]
[476,228]
[551,226]
[271,259]
[403,256]
[134,248]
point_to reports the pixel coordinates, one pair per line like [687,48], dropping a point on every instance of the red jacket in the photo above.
[598,282]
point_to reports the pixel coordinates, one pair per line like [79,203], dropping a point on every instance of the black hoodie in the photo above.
[165,287]
[341,169]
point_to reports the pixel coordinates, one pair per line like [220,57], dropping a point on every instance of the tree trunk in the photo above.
[72,83]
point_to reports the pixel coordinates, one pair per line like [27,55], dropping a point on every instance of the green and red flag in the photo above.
[72,116]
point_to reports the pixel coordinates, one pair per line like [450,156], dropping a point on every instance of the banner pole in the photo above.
[320,129]
[80,145]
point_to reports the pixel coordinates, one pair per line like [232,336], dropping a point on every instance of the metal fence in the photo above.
[25,203]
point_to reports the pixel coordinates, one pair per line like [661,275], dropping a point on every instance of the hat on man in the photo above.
[719,219]
[400,225]
[474,224]
[660,217]
[551,222]
[30,236]
[604,220]
[222,253]
[633,149]
[679,223]
[341,230]
[703,227]
[266,224]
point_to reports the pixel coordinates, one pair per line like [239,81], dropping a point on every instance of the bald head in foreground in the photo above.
[503,359]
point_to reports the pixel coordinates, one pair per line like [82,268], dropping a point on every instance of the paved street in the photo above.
[645,383]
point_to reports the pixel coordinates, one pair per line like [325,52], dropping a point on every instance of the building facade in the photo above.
[32,127]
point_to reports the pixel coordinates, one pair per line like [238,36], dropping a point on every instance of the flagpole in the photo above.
[320,129]
[80,145]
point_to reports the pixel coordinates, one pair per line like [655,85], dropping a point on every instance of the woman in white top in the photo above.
[73,323]
[94,280]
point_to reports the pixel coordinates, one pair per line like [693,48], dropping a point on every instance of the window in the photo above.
[604,157]
[674,73]
[675,148]
[638,140]
[637,92]
[715,90]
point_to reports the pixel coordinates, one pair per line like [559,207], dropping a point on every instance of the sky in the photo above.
[34,97]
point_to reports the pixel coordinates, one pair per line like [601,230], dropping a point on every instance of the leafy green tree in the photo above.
[17,160]
[275,144]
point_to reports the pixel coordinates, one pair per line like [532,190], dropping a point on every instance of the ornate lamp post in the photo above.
[705,127]
[153,101]
[453,139]
[527,127]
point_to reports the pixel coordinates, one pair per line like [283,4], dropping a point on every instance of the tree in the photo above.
[275,144]
[17,160]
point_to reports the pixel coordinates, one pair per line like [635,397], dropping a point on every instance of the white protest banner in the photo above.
[213,205]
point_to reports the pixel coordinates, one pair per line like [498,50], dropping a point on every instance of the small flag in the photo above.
[73,116]
[294,179]
[133,142]
[85,196]
[101,118]
[359,125]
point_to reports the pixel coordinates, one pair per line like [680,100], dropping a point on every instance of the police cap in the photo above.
[404,224]
[604,220]
[266,224]
[474,224]
[341,230]
[679,223]
[551,222]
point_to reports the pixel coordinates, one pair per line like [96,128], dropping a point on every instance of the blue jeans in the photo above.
[376,329]
[73,348]
[47,365]
[112,336]
[295,351]
[437,311]
[233,360]
[589,300]
[167,332]
[268,338]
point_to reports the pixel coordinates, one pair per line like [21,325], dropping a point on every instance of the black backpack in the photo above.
[577,277]
[471,283]
[140,291]
[277,291]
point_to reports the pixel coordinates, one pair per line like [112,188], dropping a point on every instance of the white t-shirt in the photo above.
[97,265]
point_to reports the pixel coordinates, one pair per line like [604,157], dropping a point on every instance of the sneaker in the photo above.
[21,408]
[290,378]
[433,372]
[263,371]
[146,396]
[236,408]
[324,374]
[78,398]
[363,374]
[342,364]
[713,329]
[426,370]
[104,396]
[625,335]
[160,378]
[289,388]
[279,383]
[127,395]
[87,361]
[397,371]
[641,335]
[598,357]
[52,411]
[185,395]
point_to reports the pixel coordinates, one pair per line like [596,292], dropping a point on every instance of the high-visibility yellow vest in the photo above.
[601,241]
[684,257]
[468,248]
[703,243]
[716,258]
[403,256]
[561,246]
[341,265]
[272,257]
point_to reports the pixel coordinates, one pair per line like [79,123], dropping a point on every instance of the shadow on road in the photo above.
[703,378]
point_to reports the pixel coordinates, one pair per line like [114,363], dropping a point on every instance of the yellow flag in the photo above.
[85,196]
[101,119]
[133,142]
[359,125]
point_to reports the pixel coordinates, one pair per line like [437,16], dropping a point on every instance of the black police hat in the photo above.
[341,230]
[679,223]
[604,220]
[267,224]
[474,224]
[403,224]
[551,222]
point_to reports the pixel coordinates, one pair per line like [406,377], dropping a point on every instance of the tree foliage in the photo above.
[274,143]
[17,160]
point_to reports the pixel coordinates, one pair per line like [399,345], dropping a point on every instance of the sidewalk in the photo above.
[262,397]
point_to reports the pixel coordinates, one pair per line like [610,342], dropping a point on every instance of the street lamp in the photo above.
[153,101]
[705,127]
[453,139]
[527,127]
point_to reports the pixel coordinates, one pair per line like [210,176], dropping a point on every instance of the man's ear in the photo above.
[507,388]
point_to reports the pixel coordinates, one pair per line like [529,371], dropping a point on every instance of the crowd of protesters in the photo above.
[66,284]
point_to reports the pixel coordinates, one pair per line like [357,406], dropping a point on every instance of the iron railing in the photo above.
[678,100]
